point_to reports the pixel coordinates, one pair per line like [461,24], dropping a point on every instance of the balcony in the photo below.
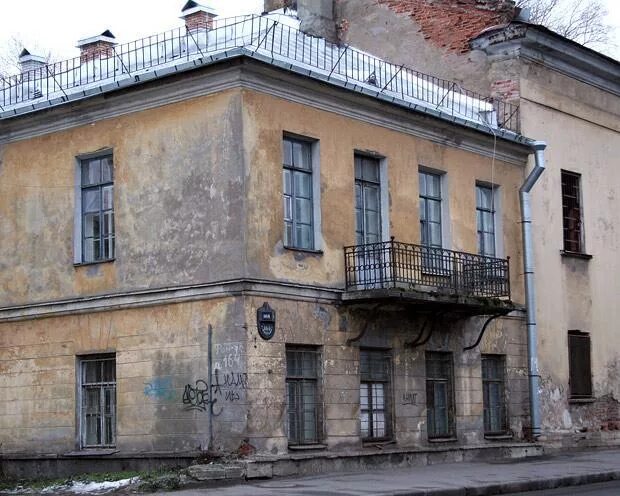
[434,277]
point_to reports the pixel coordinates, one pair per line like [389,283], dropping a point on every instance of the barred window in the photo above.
[579,366]
[297,194]
[493,394]
[303,402]
[98,401]
[375,393]
[440,395]
[97,209]
[572,212]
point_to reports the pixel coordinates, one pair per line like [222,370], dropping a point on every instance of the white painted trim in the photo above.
[77,211]
[32,58]
[384,186]
[316,195]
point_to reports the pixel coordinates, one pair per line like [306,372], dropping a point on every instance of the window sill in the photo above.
[86,452]
[306,447]
[578,401]
[575,254]
[85,264]
[304,250]
[498,437]
[443,440]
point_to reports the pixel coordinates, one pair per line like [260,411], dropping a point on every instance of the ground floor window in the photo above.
[579,365]
[98,401]
[302,389]
[493,394]
[375,418]
[439,394]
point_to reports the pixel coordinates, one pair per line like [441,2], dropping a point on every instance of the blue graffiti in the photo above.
[160,388]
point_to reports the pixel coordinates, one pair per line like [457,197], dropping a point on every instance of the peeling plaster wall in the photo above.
[178,194]
[266,119]
[161,359]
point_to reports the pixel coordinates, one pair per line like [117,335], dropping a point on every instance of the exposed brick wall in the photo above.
[450,24]
[506,89]
[98,49]
[199,20]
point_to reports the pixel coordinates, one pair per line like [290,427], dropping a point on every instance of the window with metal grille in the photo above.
[439,395]
[485,219]
[572,212]
[97,209]
[579,366]
[302,389]
[98,401]
[375,404]
[493,394]
[297,194]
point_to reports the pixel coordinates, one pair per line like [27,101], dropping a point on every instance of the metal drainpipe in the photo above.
[530,289]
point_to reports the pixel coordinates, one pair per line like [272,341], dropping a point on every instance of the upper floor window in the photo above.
[485,219]
[572,214]
[297,194]
[97,209]
[367,200]
[430,209]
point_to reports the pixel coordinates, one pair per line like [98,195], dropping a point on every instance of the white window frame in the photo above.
[78,257]
[444,184]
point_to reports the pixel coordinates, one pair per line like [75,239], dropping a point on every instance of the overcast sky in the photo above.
[56,25]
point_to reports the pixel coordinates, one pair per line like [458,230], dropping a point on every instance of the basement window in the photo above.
[440,395]
[579,366]
[494,394]
[375,414]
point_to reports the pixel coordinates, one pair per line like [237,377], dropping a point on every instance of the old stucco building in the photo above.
[152,206]
[569,96]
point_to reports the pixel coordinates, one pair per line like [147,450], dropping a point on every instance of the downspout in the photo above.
[530,289]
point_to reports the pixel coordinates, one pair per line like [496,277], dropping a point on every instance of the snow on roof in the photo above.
[274,38]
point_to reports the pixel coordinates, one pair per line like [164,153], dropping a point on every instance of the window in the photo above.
[367,200]
[439,395]
[97,209]
[303,403]
[571,212]
[485,219]
[98,401]
[579,367]
[493,394]
[430,209]
[297,195]
[375,418]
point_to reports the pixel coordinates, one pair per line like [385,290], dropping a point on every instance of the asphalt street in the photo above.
[601,489]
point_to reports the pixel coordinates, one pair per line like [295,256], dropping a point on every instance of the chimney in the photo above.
[100,46]
[198,16]
[317,18]
[29,62]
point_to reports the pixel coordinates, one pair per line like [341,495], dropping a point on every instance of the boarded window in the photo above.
[98,401]
[375,392]
[493,394]
[439,395]
[303,401]
[579,368]
[572,212]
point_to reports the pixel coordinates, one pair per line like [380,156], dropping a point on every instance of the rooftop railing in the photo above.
[277,37]
[405,266]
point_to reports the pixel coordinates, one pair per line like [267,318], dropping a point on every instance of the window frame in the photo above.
[486,382]
[450,421]
[102,385]
[425,198]
[79,257]
[313,156]
[362,182]
[567,243]
[480,211]
[588,393]
[368,381]
[298,438]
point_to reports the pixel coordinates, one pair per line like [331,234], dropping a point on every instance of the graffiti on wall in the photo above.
[159,388]
[410,398]
[227,387]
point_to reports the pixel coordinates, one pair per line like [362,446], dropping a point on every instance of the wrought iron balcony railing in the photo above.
[395,265]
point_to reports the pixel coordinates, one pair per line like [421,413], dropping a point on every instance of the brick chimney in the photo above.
[29,62]
[198,16]
[100,46]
